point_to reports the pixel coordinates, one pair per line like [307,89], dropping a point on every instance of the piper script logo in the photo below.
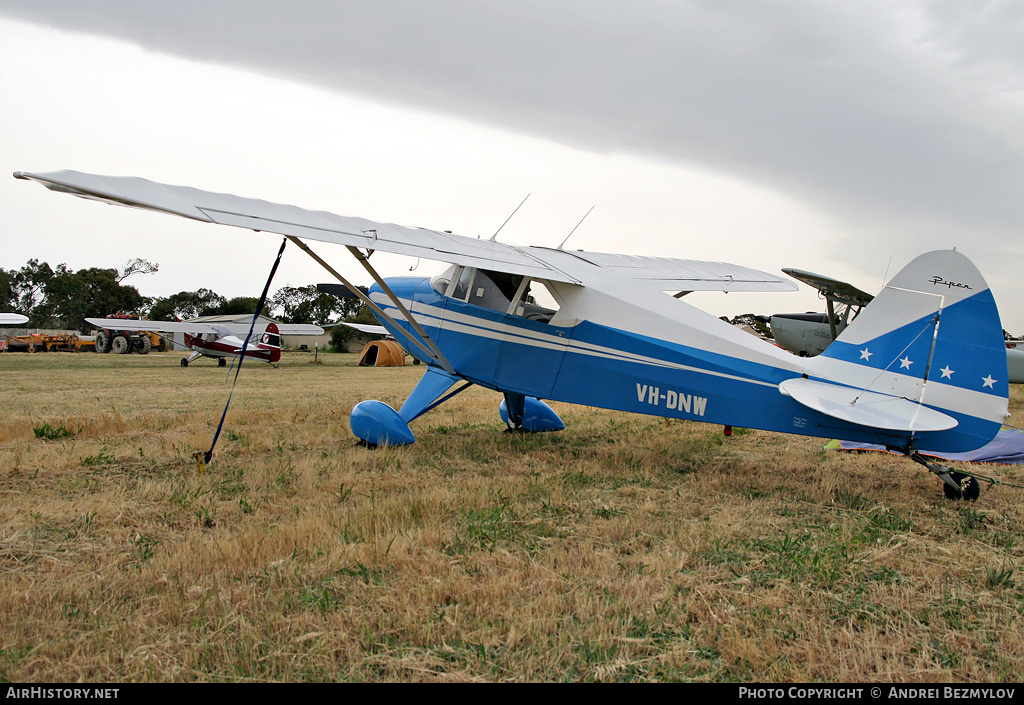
[939,281]
[671,399]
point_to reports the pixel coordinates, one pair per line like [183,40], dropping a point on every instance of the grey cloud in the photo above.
[881,112]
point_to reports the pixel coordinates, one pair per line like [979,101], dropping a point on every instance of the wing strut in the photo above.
[424,342]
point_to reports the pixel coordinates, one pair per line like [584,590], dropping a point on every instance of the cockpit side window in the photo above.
[463,285]
[499,291]
[534,301]
[494,290]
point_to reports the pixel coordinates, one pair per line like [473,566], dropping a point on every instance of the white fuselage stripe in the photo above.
[472,325]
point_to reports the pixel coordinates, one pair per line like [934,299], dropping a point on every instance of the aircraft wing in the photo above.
[199,327]
[366,328]
[289,220]
[12,319]
[155,326]
[543,263]
[833,288]
[298,329]
[668,274]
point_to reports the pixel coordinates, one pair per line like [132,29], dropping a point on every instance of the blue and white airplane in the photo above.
[923,367]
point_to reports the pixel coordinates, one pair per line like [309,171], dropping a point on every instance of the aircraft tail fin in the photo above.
[271,340]
[932,337]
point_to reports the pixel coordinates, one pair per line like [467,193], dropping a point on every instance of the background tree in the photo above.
[308,305]
[28,287]
[340,335]
[753,321]
[8,301]
[186,304]
[363,315]
[62,298]
[240,305]
[70,296]
[136,265]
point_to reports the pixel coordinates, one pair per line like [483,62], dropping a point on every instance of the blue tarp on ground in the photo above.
[1007,448]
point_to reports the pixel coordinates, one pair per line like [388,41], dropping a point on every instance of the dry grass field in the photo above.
[624,548]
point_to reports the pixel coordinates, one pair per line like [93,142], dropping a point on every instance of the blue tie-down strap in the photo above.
[208,455]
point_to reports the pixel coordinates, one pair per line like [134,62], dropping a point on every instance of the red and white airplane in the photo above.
[219,340]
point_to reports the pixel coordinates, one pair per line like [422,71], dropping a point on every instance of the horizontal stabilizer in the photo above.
[866,408]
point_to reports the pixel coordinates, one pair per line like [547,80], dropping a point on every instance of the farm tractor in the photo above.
[123,342]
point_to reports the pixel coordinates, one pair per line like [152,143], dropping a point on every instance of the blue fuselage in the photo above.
[597,365]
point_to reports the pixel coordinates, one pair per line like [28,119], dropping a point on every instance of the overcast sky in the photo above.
[840,137]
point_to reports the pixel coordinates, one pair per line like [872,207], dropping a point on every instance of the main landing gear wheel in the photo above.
[528,415]
[184,362]
[970,489]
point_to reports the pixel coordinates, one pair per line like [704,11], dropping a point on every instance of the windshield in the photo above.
[441,281]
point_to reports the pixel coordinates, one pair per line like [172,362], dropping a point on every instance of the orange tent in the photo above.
[382,353]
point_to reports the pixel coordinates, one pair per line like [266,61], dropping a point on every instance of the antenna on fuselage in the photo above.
[574,229]
[495,235]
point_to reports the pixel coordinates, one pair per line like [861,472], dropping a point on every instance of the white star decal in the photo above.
[906,363]
[988,382]
[865,355]
[946,372]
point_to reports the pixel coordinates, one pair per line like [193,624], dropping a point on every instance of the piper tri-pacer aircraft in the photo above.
[218,340]
[923,367]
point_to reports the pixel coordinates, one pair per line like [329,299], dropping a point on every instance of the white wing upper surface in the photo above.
[298,329]
[290,220]
[669,274]
[367,328]
[542,263]
[155,326]
[12,319]
[198,327]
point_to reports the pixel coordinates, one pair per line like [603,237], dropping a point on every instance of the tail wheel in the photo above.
[221,362]
[120,345]
[102,343]
[969,487]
